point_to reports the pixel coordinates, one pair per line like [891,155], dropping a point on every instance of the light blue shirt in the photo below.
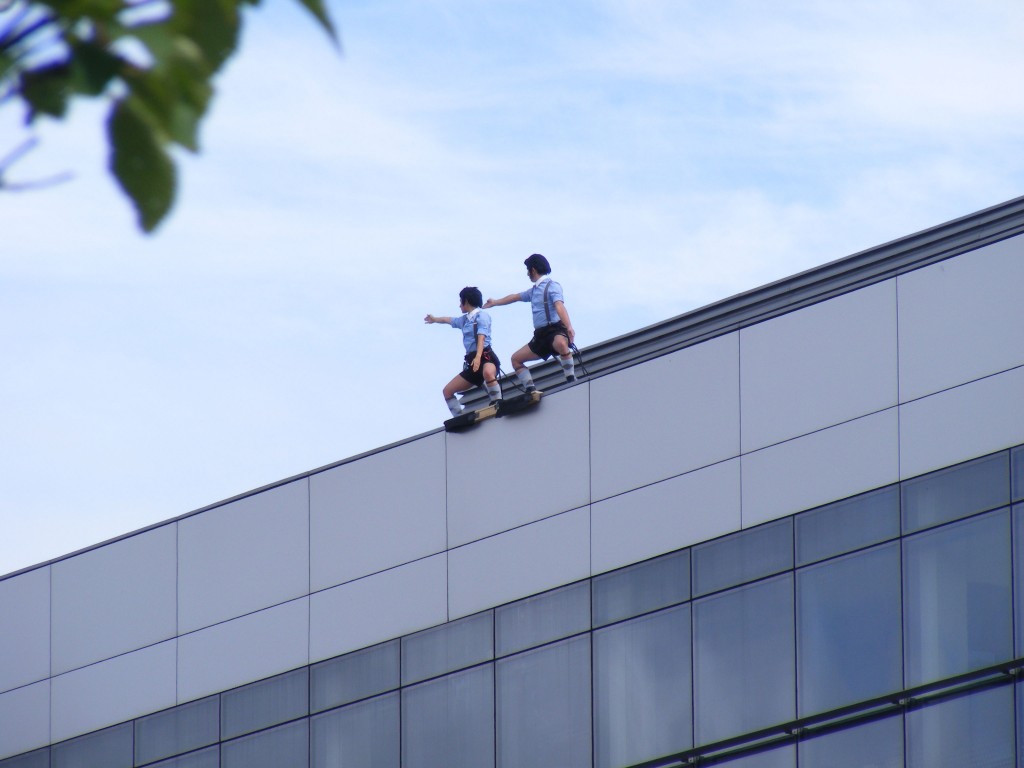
[482,320]
[543,316]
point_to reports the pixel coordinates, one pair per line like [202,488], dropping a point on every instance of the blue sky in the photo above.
[663,155]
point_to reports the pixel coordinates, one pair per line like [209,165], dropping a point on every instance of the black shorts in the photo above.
[477,377]
[541,343]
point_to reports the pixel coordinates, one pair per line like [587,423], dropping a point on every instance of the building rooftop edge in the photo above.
[844,275]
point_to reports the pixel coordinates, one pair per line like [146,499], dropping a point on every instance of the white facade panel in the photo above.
[114,599]
[243,650]
[665,516]
[113,691]
[518,563]
[821,467]
[379,607]
[665,417]
[25,636]
[961,319]
[961,423]
[243,556]
[24,719]
[821,365]
[378,512]
[543,454]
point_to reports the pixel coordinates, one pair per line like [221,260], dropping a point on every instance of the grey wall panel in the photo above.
[544,452]
[24,719]
[25,637]
[379,607]
[665,417]
[961,319]
[378,512]
[244,556]
[114,690]
[243,650]
[821,467]
[518,563]
[961,423]
[818,366]
[114,599]
[665,516]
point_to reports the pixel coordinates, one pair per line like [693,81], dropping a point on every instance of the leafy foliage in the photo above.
[153,60]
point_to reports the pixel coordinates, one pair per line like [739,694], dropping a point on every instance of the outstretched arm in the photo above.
[510,299]
[431,319]
[563,315]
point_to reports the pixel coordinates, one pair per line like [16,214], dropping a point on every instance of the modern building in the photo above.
[783,530]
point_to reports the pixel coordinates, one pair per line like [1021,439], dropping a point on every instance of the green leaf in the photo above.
[92,68]
[47,90]
[140,163]
[213,25]
[319,11]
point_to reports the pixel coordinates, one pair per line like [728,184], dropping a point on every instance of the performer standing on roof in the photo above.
[553,332]
[481,364]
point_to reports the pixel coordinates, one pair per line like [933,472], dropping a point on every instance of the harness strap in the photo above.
[547,310]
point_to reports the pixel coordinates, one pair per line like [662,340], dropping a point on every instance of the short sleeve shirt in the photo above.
[465,323]
[535,296]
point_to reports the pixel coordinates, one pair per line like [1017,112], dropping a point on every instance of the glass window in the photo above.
[642,689]
[109,748]
[743,557]
[268,702]
[541,619]
[849,644]
[1018,473]
[177,730]
[963,732]
[286,746]
[363,735]
[848,525]
[780,757]
[648,586]
[874,744]
[448,647]
[354,676]
[204,758]
[1018,575]
[957,608]
[38,759]
[956,492]
[544,707]
[743,660]
[450,721]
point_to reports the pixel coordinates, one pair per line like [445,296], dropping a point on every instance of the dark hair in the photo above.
[472,296]
[539,263]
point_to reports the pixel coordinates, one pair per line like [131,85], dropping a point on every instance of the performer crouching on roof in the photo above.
[481,364]
[553,332]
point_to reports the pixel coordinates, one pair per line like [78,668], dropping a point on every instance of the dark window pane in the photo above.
[658,583]
[177,730]
[450,721]
[1018,473]
[354,676]
[448,647]
[1018,574]
[956,492]
[875,744]
[743,557]
[268,702]
[109,748]
[205,758]
[780,757]
[642,689]
[544,707]
[744,660]
[848,629]
[38,759]
[848,525]
[363,735]
[286,746]
[957,608]
[543,618]
[969,731]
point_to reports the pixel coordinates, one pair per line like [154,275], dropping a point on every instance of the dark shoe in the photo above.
[530,389]
[569,377]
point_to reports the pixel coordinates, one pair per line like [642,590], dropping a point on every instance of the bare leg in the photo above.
[458,384]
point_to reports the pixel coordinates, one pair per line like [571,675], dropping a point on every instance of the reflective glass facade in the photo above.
[880,630]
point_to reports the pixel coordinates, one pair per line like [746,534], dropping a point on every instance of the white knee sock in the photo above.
[453,405]
[568,366]
[523,374]
[493,390]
